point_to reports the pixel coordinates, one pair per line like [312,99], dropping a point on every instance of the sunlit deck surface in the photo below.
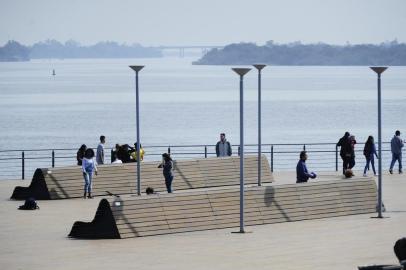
[38,239]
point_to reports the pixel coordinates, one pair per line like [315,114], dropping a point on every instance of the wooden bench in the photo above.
[218,208]
[67,182]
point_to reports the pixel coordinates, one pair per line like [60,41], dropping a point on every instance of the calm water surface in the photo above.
[186,104]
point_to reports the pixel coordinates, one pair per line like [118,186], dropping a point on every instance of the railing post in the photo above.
[271,158]
[205,151]
[239,151]
[53,158]
[169,150]
[304,147]
[22,166]
[112,155]
[336,158]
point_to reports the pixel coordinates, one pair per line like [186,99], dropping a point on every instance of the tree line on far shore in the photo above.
[298,54]
[14,51]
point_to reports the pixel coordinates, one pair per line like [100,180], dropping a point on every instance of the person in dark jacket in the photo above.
[396,145]
[223,147]
[81,154]
[343,144]
[370,153]
[167,165]
[302,174]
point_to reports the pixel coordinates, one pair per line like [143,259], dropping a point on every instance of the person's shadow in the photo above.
[269,200]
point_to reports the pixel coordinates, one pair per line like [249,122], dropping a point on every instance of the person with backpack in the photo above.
[88,167]
[370,153]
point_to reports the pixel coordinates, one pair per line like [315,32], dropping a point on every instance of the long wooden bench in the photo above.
[218,208]
[67,182]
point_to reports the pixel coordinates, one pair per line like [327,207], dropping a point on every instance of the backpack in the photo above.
[29,204]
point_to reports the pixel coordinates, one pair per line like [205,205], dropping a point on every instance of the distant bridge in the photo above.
[181,49]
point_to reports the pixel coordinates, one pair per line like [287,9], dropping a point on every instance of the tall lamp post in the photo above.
[241,72]
[379,71]
[137,69]
[259,67]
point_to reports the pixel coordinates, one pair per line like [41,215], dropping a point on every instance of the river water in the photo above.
[181,103]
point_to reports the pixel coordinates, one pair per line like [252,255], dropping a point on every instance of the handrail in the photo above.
[280,156]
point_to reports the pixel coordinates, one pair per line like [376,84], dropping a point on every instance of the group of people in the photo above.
[126,154]
[347,153]
[121,154]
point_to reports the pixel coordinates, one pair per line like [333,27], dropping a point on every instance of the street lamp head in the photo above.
[241,71]
[379,70]
[136,68]
[259,66]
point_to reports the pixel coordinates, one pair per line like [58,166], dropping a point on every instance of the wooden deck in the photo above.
[67,182]
[218,208]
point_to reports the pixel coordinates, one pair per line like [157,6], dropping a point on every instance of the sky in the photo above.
[203,22]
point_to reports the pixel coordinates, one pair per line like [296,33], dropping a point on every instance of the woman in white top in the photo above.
[88,167]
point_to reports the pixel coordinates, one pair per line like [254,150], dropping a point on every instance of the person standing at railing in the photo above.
[396,145]
[302,174]
[370,153]
[88,167]
[342,143]
[100,150]
[223,147]
[81,154]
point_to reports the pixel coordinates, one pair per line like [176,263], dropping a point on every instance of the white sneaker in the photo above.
[365,175]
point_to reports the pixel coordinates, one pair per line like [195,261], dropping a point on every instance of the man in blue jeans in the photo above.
[396,145]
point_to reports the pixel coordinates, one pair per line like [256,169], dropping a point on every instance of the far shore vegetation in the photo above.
[297,54]
[391,53]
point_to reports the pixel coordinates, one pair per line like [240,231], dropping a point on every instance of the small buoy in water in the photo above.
[53,72]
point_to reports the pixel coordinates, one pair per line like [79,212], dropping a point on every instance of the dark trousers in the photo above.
[369,160]
[168,182]
[348,163]
[396,157]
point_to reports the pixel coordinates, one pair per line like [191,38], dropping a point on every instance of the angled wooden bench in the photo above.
[67,182]
[218,208]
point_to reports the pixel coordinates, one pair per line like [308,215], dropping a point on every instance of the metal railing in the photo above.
[21,164]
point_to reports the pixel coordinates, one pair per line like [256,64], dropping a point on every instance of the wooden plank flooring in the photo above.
[219,208]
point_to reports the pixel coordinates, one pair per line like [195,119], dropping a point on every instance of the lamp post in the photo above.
[259,67]
[137,69]
[379,71]
[241,72]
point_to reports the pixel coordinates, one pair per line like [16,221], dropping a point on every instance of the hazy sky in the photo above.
[203,22]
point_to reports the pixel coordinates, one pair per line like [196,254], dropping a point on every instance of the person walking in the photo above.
[343,144]
[223,147]
[100,151]
[80,154]
[88,167]
[370,153]
[167,165]
[302,174]
[396,145]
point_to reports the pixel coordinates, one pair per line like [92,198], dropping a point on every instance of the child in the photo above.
[88,166]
